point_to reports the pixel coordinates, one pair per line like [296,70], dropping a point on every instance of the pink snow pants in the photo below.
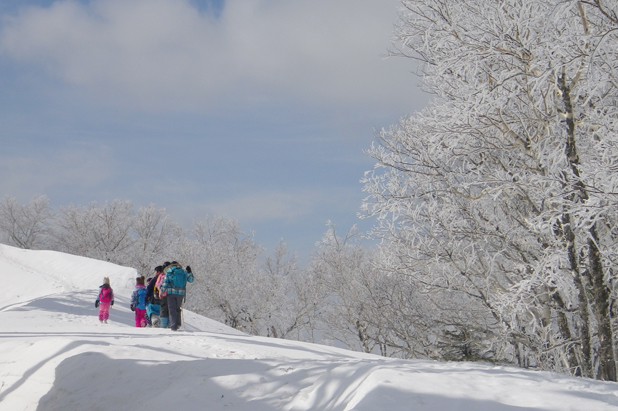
[140,318]
[104,311]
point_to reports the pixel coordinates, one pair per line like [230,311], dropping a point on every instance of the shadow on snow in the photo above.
[93,378]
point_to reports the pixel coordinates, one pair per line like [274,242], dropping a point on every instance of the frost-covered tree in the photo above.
[343,271]
[26,226]
[362,306]
[236,285]
[156,238]
[229,285]
[292,306]
[371,309]
[502,193]
[97,231]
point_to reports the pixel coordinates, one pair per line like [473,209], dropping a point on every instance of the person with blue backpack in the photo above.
[175,285]
[138,302]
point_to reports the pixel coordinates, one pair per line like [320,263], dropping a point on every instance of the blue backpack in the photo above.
[178,277]
[141,297]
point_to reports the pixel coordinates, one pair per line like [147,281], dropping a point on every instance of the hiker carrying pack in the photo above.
[138,302]
[175,285]
[176,279]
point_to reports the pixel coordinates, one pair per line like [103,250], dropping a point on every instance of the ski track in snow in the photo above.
[55,355]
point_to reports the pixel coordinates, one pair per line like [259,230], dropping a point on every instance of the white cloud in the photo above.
[77,166]
[160,53]
[263,206]
[268,205]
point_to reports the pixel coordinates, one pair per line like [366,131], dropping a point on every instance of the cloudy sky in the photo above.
[258,110]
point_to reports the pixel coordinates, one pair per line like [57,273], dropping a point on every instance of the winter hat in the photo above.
[159,269]
[106,280]
[139,280]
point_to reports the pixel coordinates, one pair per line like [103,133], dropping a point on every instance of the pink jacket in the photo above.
[106,294]
[160,279]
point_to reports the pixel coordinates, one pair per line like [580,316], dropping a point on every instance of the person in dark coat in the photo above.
[164,314]
[153,302]
[175,285]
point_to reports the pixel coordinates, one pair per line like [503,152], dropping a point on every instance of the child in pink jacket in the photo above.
[105,300]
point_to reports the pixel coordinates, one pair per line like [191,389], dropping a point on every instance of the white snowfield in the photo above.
[55,355]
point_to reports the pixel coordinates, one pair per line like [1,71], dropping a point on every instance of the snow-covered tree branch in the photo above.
[502,191]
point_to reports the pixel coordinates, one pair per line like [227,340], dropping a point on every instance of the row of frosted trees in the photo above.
[236,282]
[342,297]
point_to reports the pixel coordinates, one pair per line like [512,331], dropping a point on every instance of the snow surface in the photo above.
[55,355]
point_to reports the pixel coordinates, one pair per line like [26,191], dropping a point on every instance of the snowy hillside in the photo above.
[55,355]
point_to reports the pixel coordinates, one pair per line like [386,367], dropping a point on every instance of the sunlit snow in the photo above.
[56,355]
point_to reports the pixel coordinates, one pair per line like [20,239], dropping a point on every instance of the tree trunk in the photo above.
[599,294]
[563,325]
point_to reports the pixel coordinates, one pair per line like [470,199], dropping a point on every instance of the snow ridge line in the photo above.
[56,280]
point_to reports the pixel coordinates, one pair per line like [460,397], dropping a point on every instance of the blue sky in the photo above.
[258,110]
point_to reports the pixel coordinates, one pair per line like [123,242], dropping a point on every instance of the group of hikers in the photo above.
[158,297]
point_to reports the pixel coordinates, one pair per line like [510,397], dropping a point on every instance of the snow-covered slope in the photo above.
[55,355]
[28,274]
